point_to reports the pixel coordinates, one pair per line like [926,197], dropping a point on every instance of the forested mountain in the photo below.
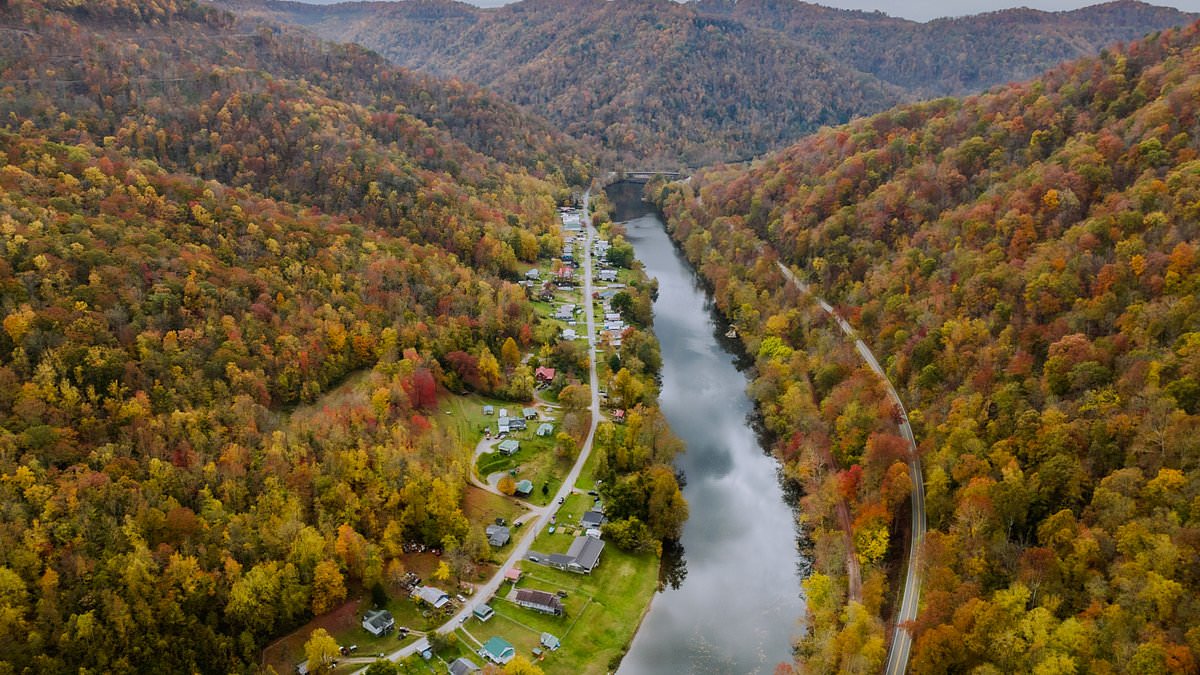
[206,222]
[662,83]
[1025,264]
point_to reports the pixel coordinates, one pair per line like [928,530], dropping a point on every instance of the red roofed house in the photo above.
[618,415]
[544,374]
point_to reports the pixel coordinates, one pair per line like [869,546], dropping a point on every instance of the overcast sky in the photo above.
[924,10]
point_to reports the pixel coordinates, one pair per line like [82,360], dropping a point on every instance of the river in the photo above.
[739,604]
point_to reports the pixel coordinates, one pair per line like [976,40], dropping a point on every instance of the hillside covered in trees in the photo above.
[664,84]
[207,223]
[1025,264]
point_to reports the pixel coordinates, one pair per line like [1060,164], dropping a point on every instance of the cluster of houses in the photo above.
[506,423]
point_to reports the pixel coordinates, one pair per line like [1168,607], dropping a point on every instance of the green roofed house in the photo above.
[509,447]
[525,487]
[545,429]
[498,650]
[483,612]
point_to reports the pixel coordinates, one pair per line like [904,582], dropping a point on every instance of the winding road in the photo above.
[539,516]
[897,662]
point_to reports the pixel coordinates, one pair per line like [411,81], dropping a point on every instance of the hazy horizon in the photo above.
[922,10]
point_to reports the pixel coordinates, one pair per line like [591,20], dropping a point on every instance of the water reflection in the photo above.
[731,591]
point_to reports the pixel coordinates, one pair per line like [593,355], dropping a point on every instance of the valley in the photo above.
[322,359]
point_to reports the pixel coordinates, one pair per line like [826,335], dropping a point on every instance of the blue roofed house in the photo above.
[498,650]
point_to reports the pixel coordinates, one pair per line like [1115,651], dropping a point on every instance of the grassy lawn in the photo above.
[463,415]
[484,508]
[534,461]
[603,610]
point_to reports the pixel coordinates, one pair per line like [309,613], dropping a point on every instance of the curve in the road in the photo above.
[539,516]
[897,662]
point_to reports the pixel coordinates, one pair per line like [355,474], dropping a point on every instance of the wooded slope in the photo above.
[1025,263]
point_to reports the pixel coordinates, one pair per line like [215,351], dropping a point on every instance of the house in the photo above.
[524,488]
[509,447]
[550,642]
[539,601]
[533,274]
[544,375]
[618,415]
[545,429]
[591,519]
[498,535]
[504,412]
[529,413]
[582,557]
[564,312]
[502,425]
[498,650]
[378,621]
[463,666]
[513,574]
[608,275]
[488,409]
[434,596]
[483,612]
[569,334]
[516,423]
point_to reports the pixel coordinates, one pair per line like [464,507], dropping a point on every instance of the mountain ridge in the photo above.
[709,80]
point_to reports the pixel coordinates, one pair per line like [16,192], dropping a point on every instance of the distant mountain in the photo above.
[663,83]
[1026,265]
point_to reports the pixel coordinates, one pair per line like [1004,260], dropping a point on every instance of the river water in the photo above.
[739,604]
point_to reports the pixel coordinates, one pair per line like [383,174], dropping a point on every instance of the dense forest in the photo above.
[1024,263]
[208,223]
[663,84]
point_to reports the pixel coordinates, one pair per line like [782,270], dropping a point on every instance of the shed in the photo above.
[484,612]
[545,429]
[529,413]
[423,648]
[533,274]
[463,666]
[525,487]
[488,409]
[513,574]
[550,642]
[618,415]
[498,650]
[509,447]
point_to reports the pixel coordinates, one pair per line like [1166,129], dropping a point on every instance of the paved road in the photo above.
[897,662]
[539,516]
